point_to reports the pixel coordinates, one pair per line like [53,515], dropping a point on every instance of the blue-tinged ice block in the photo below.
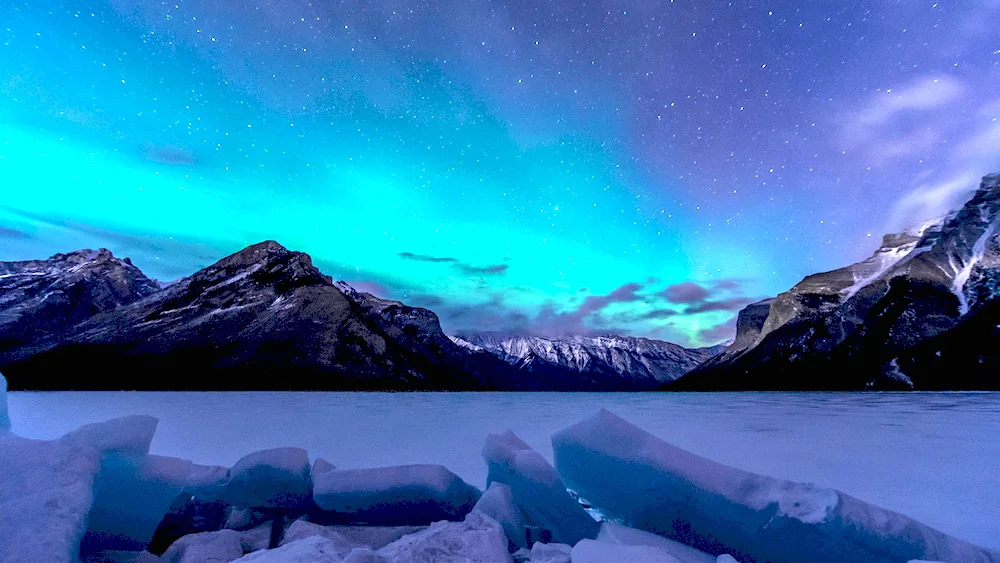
[275,478]
[537,488]
[395,496]
[4,417]
[637,479]
[46,490]
[498,503]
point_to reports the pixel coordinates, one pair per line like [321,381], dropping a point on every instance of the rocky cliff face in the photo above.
[42,299]
[598,363]
[261,318]
[925,294]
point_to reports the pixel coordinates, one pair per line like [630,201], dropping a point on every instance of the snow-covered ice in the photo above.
[274,478]
[46,491]
[314,549]
[640,480]
[538,490]
[207,547]
[551,553]
[592,551]
[498,503]
[300,530]
[321,466]
[616,533]
[399,495]
[364,555]
[477,539]
[375,536]
[124,435]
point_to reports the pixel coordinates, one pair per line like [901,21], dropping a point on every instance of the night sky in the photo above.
[551,167]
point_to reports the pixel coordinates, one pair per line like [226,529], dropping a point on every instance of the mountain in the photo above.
[263,318]
[591,363]
[921,313]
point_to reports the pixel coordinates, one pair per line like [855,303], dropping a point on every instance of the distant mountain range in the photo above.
[921,313]
[264,318]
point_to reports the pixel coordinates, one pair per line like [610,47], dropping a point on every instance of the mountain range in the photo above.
[921,313]
[263,318]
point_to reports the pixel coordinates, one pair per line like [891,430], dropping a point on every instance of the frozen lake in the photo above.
[933,456]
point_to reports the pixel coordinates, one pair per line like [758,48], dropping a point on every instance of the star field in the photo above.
[549,166]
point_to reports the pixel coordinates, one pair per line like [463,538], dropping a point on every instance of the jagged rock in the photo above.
[537,489]
[207,547]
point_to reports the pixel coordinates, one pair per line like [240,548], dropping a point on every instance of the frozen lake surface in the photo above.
[933,456]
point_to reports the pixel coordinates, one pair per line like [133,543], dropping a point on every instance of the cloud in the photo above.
[731,284]
[932,200]
[425,257]
[687,292]
[468,269]
[924,94]
[170,155]
[718,333]
[494,270]
[10,233]
[734,304]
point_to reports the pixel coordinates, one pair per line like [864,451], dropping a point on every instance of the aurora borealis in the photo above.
[545,166]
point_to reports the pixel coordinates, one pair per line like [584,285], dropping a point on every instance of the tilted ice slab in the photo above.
[477,539]
[400,495]
[46,489]
[537,488]
[637,479]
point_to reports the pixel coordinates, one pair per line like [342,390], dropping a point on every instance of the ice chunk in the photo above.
[132,494]
[4,417]
[276,478]
[207,483]
[245,518]
[498,503]
[375,536]
[726,558]
[257,538]
[124,435]
[551,553]
[477,539]
[537,489]
[207,547]
[187,515]
[322,466]
[46,489]
[637,479]
[364,555]
[592,551]
[616,533]
[405,494]
[300,530]
[315,549]
[122,557]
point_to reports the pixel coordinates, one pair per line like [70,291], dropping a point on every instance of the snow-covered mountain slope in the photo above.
[868,325]
[605,361]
